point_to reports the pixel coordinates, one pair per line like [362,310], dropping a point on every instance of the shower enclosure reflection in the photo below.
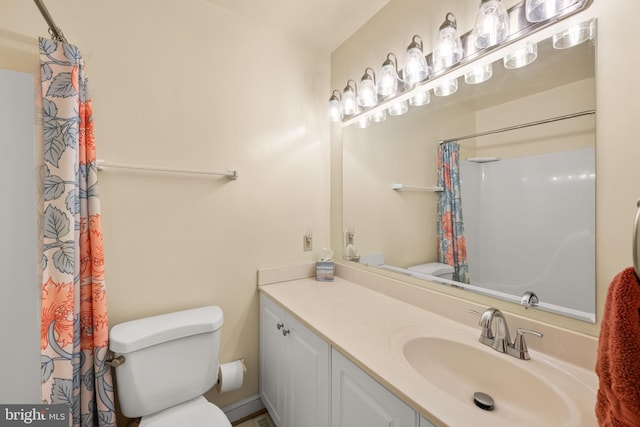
[528,217]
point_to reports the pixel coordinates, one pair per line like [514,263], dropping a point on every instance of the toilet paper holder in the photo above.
[231,375]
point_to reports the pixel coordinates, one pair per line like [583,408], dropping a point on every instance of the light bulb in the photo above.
[448,47]
[349,102]
[415,67]
[575,35]
[521,57]
[379,116]
[363,122]
[446,88]
[398,108]
[368,96]
[492,24]
[479,74]
[420,98]
[388,82]
[541,10]
[335,107]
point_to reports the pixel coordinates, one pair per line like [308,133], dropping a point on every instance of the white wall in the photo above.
[186,84]
[19,290]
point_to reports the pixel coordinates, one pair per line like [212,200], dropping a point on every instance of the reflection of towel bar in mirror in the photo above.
[400,187]
[102,164]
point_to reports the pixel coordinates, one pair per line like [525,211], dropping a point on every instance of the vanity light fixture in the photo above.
[368,96]
[349,99]
[422,97]
[447,50]
[479,74]
[363,122]
[335,106]
[379,116]
[492,24]
[398,108]
[446,88]
[494,27]
[522,56]
[388,82]
[575,35]
[542,10]
[415,67]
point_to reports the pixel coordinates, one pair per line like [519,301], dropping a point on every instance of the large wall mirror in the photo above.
[526,165]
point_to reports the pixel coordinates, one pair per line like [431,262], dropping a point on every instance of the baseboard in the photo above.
[243,408]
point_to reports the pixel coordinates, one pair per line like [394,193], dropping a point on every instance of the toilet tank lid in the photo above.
[433,268]
[141,333]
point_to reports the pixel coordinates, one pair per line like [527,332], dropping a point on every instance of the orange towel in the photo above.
[618,363]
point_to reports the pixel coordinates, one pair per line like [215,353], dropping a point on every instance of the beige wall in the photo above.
[185,84]
[617,127]
[558,136]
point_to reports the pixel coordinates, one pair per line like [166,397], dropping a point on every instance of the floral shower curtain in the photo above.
[74,329]
[452,246]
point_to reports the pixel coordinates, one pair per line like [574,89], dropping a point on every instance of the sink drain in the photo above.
[483,401]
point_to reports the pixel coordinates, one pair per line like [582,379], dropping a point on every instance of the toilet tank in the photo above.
[169,359]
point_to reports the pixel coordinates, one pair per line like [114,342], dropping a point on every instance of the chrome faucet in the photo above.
[498,337]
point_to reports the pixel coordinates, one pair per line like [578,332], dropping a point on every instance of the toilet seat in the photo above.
[198,412]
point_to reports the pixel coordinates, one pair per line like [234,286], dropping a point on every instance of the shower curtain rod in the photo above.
[523,125]
[54,31]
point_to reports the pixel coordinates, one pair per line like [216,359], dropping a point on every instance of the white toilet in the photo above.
[170,361]
[437,269]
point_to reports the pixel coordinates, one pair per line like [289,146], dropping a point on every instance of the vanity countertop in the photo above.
[368,327]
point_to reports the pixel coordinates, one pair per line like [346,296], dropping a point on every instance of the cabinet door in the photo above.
[359,400]
[274,354]
[308,391]
[425,422]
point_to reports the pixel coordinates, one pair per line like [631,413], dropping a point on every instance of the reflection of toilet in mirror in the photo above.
[437,269]
[167,363]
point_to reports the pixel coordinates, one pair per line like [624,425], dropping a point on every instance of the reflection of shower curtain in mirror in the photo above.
[74,330]
[452,247]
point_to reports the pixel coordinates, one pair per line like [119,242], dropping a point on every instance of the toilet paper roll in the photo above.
[231,375]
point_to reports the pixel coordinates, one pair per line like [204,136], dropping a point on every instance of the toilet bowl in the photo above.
[169,362]
[196,412]
[437,269]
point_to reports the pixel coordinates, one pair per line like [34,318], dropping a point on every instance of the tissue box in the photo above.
[325,271]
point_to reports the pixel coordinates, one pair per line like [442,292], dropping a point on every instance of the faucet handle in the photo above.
[519,346]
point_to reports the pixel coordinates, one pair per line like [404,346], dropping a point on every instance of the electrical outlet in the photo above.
[307,241]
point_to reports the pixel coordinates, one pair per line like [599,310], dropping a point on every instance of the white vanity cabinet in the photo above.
[359,400]
[425,422]
[294,369]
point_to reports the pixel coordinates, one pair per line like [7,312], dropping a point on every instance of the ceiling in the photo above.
[325,24]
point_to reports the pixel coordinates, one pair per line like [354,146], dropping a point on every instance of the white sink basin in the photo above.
[447,365]
[460,370]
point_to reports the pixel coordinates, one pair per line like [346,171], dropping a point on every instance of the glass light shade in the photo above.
[363,122]
[335,110]
[349,103]
[447,50]
[415,67]
[541,10]
[492,24]
[368,96]
[388,83]
[521,57]
[575,35]
[446,88]
[420,98]
[479,74]
[379,116]
[398,108]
